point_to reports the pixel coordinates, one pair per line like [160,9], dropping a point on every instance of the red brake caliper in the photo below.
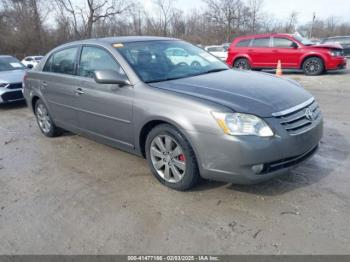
[182,157]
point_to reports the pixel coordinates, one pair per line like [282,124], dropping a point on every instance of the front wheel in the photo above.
[171,158]
[313,66]
[242,63]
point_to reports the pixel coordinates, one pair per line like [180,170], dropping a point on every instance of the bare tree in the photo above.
[92,12]
[255,7]
[291,23]
[225,13]
[166,14]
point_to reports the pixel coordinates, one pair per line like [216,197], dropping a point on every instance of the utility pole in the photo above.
[139,25]
[312,24]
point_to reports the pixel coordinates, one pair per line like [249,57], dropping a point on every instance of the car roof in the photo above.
[120,39]
[5,56]
[114,40]
[262,35]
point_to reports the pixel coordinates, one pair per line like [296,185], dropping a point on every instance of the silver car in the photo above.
[189,122]
[11,77]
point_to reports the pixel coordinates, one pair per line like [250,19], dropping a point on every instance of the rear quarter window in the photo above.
[243,43]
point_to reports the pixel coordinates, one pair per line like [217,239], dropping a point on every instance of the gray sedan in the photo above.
[189,121]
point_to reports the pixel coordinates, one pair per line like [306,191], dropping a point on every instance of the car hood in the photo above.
[242,91]
[12,76]
[329,46]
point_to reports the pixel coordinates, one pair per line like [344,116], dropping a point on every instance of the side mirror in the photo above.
[110,77]
[295,45]
[29,66]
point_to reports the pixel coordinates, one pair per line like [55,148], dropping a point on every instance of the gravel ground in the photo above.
[70,195]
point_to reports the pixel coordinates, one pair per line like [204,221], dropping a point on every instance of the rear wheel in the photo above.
[313,66]
[171,158]
[242,63]
[45,122]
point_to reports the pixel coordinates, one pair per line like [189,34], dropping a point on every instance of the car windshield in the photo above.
[216,49]
[10,63]
[156,61]
[303,40]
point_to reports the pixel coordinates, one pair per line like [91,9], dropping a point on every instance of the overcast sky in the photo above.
[282,8]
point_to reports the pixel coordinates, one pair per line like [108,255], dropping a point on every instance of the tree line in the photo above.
[36,26]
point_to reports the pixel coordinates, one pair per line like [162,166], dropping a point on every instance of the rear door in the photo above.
[285,50]
[104,110]
[260,52]
[58,83]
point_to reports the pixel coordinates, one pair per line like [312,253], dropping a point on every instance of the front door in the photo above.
[104,110]
[286,51]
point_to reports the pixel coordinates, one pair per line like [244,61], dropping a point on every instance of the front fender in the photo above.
[312,54]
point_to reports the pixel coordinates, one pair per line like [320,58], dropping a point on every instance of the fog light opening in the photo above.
[257,169]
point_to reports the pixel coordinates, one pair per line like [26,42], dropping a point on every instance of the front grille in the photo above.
[301,119]
[15,86]
[12,96]
[288,162]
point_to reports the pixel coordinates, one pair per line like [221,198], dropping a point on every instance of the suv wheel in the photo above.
[313,66]
[44,120]
[242,63]
[171,158]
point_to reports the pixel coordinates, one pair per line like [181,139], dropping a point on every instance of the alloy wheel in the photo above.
[312,66]
[44,119]
[168,158]
[242,64]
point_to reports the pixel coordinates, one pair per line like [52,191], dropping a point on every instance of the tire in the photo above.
[313,66]
[44,120]
[177,170]
[242,63]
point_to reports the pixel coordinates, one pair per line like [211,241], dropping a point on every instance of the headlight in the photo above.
[3,85]
[336,53]
[237,124]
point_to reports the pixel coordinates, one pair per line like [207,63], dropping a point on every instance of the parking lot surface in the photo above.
[70,195]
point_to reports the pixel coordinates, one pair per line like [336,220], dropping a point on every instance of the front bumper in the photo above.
[10,95]
[337,63]
[231,159]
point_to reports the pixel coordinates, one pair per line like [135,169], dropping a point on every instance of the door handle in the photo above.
[43,85]
[79,91]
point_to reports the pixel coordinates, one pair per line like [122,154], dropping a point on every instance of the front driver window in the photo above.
[282,43]
[95,58]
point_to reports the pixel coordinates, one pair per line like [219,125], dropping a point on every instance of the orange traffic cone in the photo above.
[279,71]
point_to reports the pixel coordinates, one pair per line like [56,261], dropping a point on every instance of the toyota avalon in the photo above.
[189,121]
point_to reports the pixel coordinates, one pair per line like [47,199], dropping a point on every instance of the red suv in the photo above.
[294,52]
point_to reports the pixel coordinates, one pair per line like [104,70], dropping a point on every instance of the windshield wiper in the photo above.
[215,70]
[164,79]
[174,78]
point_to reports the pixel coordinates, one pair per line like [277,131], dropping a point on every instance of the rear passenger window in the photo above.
[243,43]
[95,58]
[282,43]
[62,62]
[261,42]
